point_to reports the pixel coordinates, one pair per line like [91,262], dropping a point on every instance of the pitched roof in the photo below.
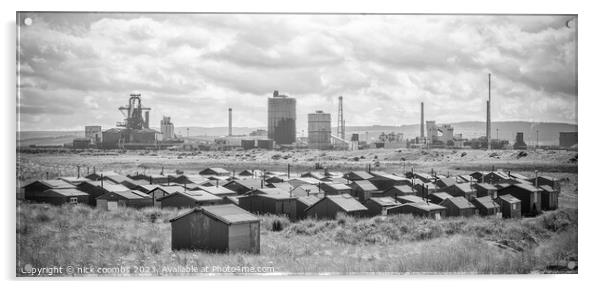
[464,187]
[283,186]
[402,188]
[359,174]
[547,188]
[310,181]
[459,202]
[195,179]
[425,206]
[384,175]
[487,202]
[64,192]
[308,200]
[446,182]
[385,201]
[365,185]
[337,186]
[247,183]
[509,198]
[486,186]
[229,214]
[55,184]
[411,199]
[217,191]
[442,195]
[197,196]
[73,180]
[127,195]
[115,188]
[346,202]
[169,189]
[527,187]
[219,171]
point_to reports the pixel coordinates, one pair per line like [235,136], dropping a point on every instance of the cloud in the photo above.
[78,68]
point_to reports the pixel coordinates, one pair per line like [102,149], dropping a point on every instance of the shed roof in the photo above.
[337,186]
[388,176]
[411,199]
[346,202]
[446,182]
[527,187]
[217,191]
[365,185]
[283,186]
[402,188]
[464,187]
[63,193]
[460,202]
[130,195]
[218,171]
[487,202]
[442,195]
[385,201]
[509,199]
[547,188]
[169,189]
[425,207]
[229,214]
[486,186]
[308,200]
[358,174]
[310,181]
[115,188]
[55,184]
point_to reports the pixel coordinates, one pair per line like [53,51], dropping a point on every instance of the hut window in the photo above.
[73,200]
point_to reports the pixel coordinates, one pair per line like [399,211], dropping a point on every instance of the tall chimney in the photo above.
[422,120]
[489,116]
[146,120]
[229,121]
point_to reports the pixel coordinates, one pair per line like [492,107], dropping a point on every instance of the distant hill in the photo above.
[548,132]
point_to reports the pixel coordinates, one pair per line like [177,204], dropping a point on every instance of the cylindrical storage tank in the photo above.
[282,116]
[319,130]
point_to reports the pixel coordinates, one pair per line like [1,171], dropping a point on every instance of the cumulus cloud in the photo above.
[78,68]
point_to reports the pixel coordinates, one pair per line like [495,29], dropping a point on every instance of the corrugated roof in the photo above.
[229,214]
[487,202]
[347,203]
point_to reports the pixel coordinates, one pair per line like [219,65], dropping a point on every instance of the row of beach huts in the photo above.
[224,204]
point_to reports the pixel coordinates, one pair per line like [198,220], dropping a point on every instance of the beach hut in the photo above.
[62,196]
[487,206]
[549,198]
[275,203]
[303,203]
[485,189]
[35,188]
[363,190]
[129,198]
[429,210]
[221,228]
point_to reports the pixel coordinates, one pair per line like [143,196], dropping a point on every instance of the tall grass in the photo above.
[83,236]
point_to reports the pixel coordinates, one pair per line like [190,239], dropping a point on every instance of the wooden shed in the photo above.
[189,199]
[363,190]
[95,176]
[485,189]
[487,206]
[220,191]
[32,190]
[98,188]
[496,177]
[131,198]
[295,182]
[357,176]
[162,191]
[419,209]
[458,207]
[384,181]
[329,206]
[221,228]
[437,198]
[378,206]
[402,190]
[246,173]
[549,198]
[509,206]
[307,190]
[410,199]
[214,172]
[188,179]
[445,182]
[62,196]
[529,196]
[546,180]
[277,203]
[335,189]
[244,186]
[464,190]
[303,203]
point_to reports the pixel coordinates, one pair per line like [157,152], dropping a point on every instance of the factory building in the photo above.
[167,128]
[94,134]
[567,139]
[319,130]
[282,118]
[439,134]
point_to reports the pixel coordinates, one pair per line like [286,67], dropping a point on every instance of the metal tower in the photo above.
[341,120]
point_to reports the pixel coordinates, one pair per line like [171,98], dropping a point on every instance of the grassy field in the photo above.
[140,240]
[81,236]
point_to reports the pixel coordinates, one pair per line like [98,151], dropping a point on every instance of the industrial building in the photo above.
[282,117]
[167,128]
[567,139]
[319,130]
[134,131]
[436,134]
[94,134]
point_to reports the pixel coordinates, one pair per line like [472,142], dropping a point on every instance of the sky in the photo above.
[76,69]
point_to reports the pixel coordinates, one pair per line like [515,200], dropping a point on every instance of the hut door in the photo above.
[437,216]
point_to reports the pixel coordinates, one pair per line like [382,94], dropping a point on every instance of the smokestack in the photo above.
[422,120]
[146,113]
[489,115]
[229,121]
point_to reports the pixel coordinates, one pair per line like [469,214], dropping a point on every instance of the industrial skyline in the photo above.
[195,67]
